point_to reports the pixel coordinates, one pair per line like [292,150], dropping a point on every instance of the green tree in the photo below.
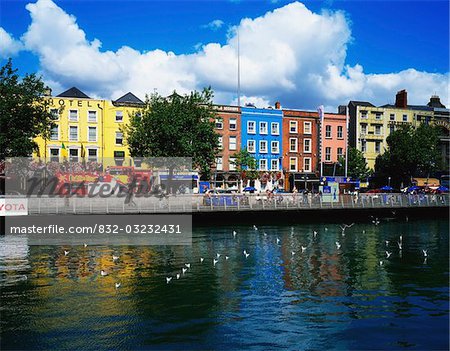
[245,164]
[23,112]
[411,152]
[175,127]
[357,164]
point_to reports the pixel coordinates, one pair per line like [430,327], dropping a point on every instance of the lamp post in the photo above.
[389,181]
[334,168]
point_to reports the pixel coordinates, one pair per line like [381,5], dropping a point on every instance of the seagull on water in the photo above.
[188,265]
[278,240]
[115,258]
[246,254]
[388,254]
[381,263]
[178,275]
[265,234]
[399,245]
[292,253]
[218,255]
[255,227]
[66,252]
[226,258]
[215,261]
[117,285]
[103,273]
[425,253]
[184,270]
[168,279]
[234,233]
[85,245]
[201,259]
[326,229]
[303,249]
[387,242]
[338,245]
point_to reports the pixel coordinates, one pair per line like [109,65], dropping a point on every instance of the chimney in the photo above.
[277,105]
[401,99]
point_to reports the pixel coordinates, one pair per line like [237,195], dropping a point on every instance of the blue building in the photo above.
[262,136]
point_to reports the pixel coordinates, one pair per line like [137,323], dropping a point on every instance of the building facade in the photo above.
[87,129]
[300,148]
[261,135]
[334,142]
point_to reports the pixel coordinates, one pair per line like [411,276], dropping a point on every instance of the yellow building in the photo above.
[369,125]
[88,129]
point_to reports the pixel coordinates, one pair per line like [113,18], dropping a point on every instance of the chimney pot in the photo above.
[277,105]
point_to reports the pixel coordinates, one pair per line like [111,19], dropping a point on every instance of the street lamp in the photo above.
[334,168]
[389,181]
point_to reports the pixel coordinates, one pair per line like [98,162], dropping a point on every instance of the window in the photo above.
[220,142]
[392,128]
[363,128]
[274,128]
[119,116]
[392,116]
[377,147]
[92,133]
[251,128]
[363,146]
[73,115]
[232,166]
[54,155]
[251,146]
[328,132]
[363,114]
[263,146]
[307,145]
[73,155]
[263,164]
[328,154]
[293,164]
[119,138]
[232,143]
[340,152]
[119,157]
[340,132]
[219,123]
[292,126]
[307,164]
[377,130]
[378,115]
[262,127]
[293,144]
[275,148]
[55,114]
[405,118]
[92,116]
[92,155]
[73,133]
[307,127]
[219,163]
[274,164]
[54,133]
[233,124]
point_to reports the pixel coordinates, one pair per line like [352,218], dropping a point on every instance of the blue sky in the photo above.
[386,37]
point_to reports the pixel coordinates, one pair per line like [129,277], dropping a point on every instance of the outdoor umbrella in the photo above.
[442,188]
[413,188]
[387,188]
[249,188]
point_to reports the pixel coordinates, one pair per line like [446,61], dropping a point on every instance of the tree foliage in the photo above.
[23,112]
[357,164]
[245,164]
[174,127]
[411,152]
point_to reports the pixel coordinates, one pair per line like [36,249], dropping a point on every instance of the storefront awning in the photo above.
[426,181]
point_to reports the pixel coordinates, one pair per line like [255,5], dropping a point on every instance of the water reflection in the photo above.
[323,297]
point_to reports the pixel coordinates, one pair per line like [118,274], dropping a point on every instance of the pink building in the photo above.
[334,141]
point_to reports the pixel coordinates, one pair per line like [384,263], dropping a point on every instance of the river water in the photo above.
[319,299]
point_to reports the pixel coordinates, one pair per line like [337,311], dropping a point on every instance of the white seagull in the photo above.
[178,275]
[278,240]
[338,245]
[66,252]
[399,245]
[85,245]
[255,227]
[218,255]
[388,254]
[303,248]
[115,258]
[292,253]
[201,259]
[246,255]
[226,258]
[103,273]
[234,233]
[425,253]
[188,265]
[117,285]
[381,263]
[184,270]
[215,261]
[387,242]
[168,279]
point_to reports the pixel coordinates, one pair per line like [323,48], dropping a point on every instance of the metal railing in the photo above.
[228,202]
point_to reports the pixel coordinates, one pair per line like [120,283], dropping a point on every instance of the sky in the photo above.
[303,54]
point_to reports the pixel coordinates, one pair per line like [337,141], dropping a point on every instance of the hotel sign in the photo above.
[71,103]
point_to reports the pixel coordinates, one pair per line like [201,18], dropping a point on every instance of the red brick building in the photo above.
[300,148]
[334,142]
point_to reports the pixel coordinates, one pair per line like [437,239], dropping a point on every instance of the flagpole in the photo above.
[238,69]
[346,141]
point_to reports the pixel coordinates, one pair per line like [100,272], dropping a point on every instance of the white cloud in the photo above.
[8,45]
[290,54]
[214,25]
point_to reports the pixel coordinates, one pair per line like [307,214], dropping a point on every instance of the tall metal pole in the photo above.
[346,141]
[238,69]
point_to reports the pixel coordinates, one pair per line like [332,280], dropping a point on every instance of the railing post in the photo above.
[225,203]
[107,205]
[371,200]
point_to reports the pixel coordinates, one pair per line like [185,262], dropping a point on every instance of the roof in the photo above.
[128,99]
[361,103]
[409,107]
[74,93]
